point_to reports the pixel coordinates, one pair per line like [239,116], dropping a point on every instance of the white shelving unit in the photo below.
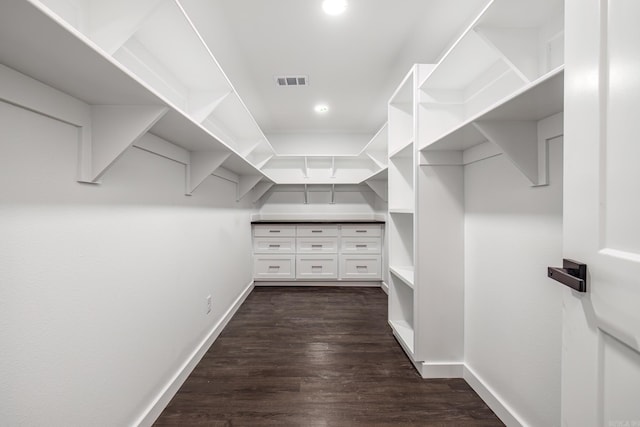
[366,166]
[497,91]
[151,81]
[141,86]
[402,197]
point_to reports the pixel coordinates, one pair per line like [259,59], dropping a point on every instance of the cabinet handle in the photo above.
[274,246]
[316,231]
[361,266]
[274,231]
[361,246]
[316,246]
[361,231]
[316,266]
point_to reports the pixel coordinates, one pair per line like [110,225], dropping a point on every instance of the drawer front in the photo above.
[369,230]
[275,230]
[362,245]
[321,230]
[317,245]
[360,267]
[271,245]
[317,267]
[274,267]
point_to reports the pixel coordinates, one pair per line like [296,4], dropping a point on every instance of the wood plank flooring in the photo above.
[317,356]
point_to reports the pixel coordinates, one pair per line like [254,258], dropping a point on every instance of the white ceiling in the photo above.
[353,61]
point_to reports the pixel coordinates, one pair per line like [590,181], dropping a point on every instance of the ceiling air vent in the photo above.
[292,81]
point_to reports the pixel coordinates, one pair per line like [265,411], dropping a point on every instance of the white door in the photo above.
[601,330]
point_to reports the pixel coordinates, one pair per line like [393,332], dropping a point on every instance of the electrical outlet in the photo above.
[208,304]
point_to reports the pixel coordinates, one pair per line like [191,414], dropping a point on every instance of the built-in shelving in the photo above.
[403,273]
[134,73]
[497,91]
[369,164]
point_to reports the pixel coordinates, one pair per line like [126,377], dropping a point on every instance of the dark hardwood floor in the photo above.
[315,356]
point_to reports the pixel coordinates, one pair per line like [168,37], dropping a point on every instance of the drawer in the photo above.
[309,230]
[274,230]
[274,267]
[283,245]
[370,230]
[360,267]
[363,245]
[317,244]
[317,267]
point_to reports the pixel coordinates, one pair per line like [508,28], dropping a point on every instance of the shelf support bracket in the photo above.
[518,139]
[306,194]
[379,187]
[201,165]
[260,190]
[333,194]
[113,129]
[246,184]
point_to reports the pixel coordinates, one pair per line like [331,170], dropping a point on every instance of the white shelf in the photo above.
[393,211]
[72,63]
[537,100]
[404,332]
[406,274]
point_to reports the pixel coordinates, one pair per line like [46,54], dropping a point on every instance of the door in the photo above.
[601,327]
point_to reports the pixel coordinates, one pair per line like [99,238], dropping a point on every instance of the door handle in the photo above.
[572,274]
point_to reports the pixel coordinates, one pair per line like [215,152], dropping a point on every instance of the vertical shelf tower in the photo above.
[497,91]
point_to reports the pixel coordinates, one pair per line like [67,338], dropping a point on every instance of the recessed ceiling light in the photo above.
[321,108]
[334,7]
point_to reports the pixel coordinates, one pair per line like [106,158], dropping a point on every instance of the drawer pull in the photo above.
[316,231]
[274,246]
[361,246]
[316,246]
[361,231]
[316,266]
[274,267]
[274,231]
[361,267]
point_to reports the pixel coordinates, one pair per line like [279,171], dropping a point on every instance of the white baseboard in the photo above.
[385,287]
[441,370]
[154,410]
[337,283]
[493,401]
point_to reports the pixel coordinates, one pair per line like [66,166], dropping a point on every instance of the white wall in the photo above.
[103,287]
[512,310]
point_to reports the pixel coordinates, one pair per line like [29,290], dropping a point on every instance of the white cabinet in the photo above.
[360,267]
[275,267]
[317,245]
[318,252]
[276,230]
[317,266]
[271,245]
[316,230]
[368,245]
